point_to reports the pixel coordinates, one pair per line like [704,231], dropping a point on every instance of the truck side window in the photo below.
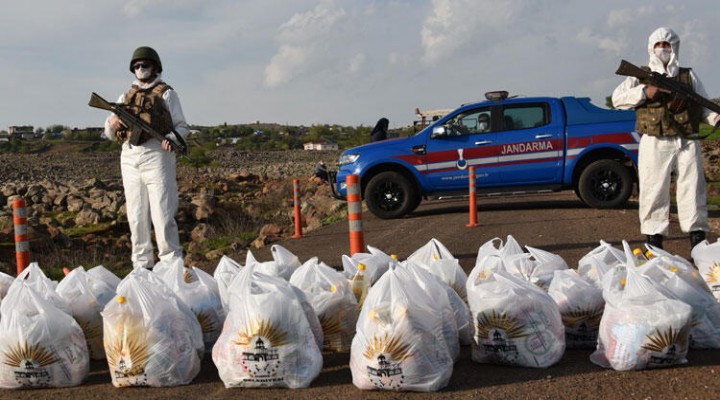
[525,117]
[470,123]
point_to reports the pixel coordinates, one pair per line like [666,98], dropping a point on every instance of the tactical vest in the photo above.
[149,105]
[666,116]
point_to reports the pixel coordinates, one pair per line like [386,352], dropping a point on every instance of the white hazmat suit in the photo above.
[659,156]
[150,183]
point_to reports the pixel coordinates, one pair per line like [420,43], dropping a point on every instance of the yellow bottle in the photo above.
[359,285]
[640,258]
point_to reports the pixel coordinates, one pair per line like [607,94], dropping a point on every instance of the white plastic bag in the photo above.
[5,282]
[34,277]
[581,306]
[400,344]
[677,279]
[595,264]
[516,323]
[199,291]
[641,328]
[224,274]
[40,345]
[151,338]
[376,264]
[456,330]
[437,259]
[333,301]
[283,265]
[707,258]
[266,340]
[87,296]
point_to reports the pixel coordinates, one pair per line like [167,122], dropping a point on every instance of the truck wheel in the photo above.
[605,184]
[390,195]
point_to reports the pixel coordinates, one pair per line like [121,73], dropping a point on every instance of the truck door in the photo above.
[530,144]
[466,139]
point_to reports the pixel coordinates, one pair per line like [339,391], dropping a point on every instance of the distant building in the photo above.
[319,146]
[22,132]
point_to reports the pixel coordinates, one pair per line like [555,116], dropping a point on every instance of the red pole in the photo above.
[296,203]
[473,200]
[354,198]
[22,246]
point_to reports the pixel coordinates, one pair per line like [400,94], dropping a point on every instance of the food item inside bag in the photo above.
[376,263]
[266,340]
[332,300]
[641,327]
[643,335]
[40,346]
[400,342]
[581,306]
[679,280]
[151,338]
[87,296]
[594,265]
[199,291]
[437,259]
[516,323]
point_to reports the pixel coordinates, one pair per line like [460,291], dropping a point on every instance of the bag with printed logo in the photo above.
[151,337]
[401,341]
[641,328]
[332,300]
[581,305]
[707,259]
[87,294]
[435,258]
[677,279]
[199,291]
[40,345]
[266,340]
[516,323]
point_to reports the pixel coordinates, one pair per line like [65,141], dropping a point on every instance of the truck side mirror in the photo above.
[438,131]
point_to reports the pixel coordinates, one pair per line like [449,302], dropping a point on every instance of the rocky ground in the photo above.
[76,205]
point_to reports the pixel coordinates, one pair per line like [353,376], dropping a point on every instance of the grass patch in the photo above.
[88,229]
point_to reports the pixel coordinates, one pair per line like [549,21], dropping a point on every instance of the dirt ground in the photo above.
[558,223]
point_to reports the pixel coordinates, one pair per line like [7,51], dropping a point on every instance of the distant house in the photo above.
[23,132]
[319,146]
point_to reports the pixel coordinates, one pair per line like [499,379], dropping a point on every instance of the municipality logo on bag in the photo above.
[261,361]
[497,333]
[388,354]
[30,364]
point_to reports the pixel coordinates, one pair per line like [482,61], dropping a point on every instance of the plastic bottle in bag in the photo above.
[640,258]
[359,285]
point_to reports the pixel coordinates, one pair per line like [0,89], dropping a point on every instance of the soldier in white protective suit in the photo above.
[666,145]
[148,168]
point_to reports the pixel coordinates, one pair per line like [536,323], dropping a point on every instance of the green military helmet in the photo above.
[145,53]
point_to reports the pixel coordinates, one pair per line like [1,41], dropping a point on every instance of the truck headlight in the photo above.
[348,159]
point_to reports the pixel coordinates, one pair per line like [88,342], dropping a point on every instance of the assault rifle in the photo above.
[137,126]
[681,92]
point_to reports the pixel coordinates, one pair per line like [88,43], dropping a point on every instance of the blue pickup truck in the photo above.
[521,144]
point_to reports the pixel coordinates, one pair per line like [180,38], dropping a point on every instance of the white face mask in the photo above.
[663,54]
[143,73]
[482,126]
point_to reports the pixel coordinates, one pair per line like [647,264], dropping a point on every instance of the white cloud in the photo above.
[301,41]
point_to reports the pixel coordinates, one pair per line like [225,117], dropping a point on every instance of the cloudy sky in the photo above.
[332,61]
